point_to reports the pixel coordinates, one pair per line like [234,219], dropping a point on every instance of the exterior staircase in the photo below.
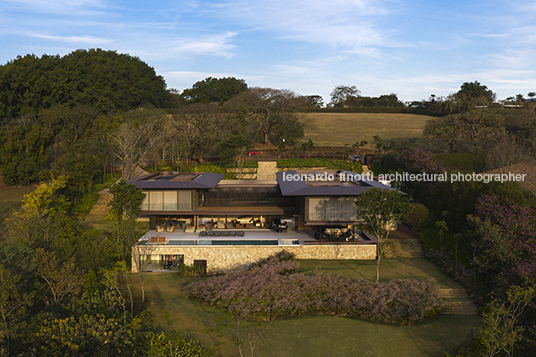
[457,302]
[101,207]
[267,170]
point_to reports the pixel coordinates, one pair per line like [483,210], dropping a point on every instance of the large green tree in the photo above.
[474,93]
[105,80]
[272,114]
[211,90]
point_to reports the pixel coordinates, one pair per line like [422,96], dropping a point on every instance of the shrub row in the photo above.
[275,289]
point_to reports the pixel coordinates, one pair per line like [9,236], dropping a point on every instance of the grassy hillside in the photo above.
[326,129]
[315,335]
[11,199]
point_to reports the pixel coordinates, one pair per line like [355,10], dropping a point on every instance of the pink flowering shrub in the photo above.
[275,289]
[422,161]
[517,226]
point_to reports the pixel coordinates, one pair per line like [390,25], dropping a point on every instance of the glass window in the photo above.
[157,200]
[145,203]
[170,200]
[332,209]
[185,200]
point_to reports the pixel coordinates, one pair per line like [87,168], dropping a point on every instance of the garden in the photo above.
[319,334]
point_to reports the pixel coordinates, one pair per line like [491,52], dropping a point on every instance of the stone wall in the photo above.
[221,258]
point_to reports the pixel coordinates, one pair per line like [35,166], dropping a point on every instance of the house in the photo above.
[201,219]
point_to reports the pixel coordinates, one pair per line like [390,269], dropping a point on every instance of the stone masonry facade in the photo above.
[223,258]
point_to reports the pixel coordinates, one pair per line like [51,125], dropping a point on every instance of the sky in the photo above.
[413,48]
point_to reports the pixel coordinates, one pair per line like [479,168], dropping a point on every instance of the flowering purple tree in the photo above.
[514,229]
[420,160]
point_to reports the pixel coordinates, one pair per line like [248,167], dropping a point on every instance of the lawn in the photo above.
[317,335]
[11,199]
[337,129]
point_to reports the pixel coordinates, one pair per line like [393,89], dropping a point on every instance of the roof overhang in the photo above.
[301,188]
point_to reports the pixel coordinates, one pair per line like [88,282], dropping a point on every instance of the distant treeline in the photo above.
[390,110]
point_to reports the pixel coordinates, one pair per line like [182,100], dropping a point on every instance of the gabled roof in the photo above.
[337,188]
[198,180]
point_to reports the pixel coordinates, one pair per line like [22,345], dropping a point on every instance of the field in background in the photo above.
[337,129]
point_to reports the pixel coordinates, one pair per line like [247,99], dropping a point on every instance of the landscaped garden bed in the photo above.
[274,288]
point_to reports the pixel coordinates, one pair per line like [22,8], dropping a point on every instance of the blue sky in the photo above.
[410,47]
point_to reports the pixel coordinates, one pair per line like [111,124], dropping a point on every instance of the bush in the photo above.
[191,270]
[330,164]
[463,161]
[273,289]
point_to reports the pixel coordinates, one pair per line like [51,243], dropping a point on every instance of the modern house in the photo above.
[199,218]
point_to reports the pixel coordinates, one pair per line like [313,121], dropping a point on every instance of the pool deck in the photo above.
[249,234]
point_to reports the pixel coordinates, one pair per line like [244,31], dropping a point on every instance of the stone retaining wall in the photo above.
[221,258]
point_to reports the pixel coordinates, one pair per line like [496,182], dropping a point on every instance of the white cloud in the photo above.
[214,45]
[168,47]
[71,7]
[79,40]
[338,23]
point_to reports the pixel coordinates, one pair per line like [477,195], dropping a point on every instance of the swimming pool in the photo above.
[232,242]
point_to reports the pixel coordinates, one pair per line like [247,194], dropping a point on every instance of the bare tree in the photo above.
[271,113]
[341,94]
[61,277]
[201,127]
[140,254]
[135,139]
[508,150]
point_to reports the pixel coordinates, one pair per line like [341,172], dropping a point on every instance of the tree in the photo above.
[232,146]
[474,93]
[341,94]
[477,130]
[105,80]
[500,331]
[201,128]
[62,278]
[124,208]
[358,145]
[380,209]
[211,90]
[308,147]
[416,216]
[136,138]
[13,300]
[315,101]
[271,114]
[378,142]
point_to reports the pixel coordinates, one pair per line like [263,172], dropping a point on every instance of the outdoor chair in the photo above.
[217,234]
[241,234]
[203,234]
[210,233]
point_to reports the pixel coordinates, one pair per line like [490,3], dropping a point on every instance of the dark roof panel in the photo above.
[199,181]
[301,188]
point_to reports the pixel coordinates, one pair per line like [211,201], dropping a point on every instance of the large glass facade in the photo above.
[178,200]
[332,209]
[246,196]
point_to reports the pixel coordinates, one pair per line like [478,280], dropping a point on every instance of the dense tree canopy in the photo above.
[105,80]
[272,114]
[214,90]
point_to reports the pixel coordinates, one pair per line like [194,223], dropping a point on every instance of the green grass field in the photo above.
[337,129]
[11,199]
[316,335]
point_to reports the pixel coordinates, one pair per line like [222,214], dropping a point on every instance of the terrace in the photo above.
[227,249]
